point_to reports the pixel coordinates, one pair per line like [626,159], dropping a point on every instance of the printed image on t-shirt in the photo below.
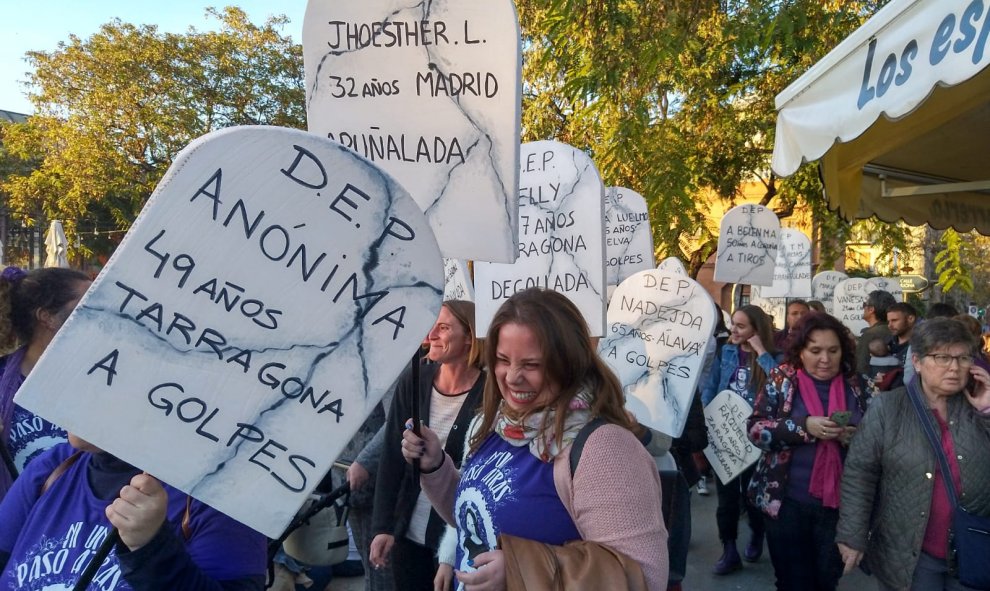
[506,490]
[55,563]
[740,381]
[30,435]
[483,485]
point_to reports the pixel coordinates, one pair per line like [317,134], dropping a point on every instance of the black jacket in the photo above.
[395,488]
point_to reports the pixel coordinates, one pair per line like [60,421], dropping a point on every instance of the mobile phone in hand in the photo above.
[841,417]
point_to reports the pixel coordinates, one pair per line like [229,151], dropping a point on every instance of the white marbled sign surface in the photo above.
[457,284]
[823,288]
[658,328]
[747,245]
[273,287]
[888,284]
[792,271]
[776,308]
[850,295]
[561,236]
[429,91]
[729,449]
[628,237]
[672,265]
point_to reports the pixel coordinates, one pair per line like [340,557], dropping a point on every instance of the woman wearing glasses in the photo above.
[896,513]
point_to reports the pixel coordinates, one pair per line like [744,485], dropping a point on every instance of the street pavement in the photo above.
[705,549]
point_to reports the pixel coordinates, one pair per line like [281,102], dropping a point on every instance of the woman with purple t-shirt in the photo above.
[33,307]
[804,419]
[63,507]
[546,383]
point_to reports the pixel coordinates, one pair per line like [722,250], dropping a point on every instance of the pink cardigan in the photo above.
[614,498]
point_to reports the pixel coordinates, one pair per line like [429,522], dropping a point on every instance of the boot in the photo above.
[730,561]
[754,549]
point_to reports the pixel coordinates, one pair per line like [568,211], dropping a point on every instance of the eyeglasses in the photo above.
[943,360]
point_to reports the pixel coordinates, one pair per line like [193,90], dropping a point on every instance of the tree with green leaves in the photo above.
[953,274]
[674,99]
[113,110]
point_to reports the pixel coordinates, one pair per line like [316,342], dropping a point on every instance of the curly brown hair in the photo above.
[21,299]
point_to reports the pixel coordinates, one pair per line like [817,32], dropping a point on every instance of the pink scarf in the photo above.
[827,472]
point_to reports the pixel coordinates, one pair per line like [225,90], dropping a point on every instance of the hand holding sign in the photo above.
[269,293]
[729,450]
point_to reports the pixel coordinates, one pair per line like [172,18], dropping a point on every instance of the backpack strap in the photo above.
[578,446]
[59,471]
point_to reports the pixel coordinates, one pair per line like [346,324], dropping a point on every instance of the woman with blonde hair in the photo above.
[406,530]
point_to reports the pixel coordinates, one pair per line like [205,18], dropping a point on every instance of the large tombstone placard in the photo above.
[561,236]
[792,272]
[890,285]
[672,265]
[628,238]
[850,295]
[823,288]
[658,328]
[729,449]
[747,245]
[429,91]
[274,286]
[457,283]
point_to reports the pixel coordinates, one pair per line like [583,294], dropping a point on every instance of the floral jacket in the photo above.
[772,430]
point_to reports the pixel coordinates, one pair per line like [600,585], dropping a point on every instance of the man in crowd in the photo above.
[875,313]
[900,321]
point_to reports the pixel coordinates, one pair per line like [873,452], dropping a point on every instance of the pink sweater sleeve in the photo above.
[615,499]
[440,487]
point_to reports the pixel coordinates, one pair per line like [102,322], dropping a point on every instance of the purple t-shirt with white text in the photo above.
[506,489]
[51,538]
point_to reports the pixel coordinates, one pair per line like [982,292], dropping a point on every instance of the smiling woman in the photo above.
[518,481]
[407,531]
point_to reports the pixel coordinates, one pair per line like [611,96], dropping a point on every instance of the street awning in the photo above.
[899,116]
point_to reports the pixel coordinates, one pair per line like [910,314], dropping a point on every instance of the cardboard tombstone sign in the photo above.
[672,265]
[561,236]
[792,271]
[628,238]
[747,245]
[888,284]
[776,308]
[430,92]
[274,286]
[850,295]
[729,449]
[658,327]
[457,284]
[823,288]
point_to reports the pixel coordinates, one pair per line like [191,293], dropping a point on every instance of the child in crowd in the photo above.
[885,369]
